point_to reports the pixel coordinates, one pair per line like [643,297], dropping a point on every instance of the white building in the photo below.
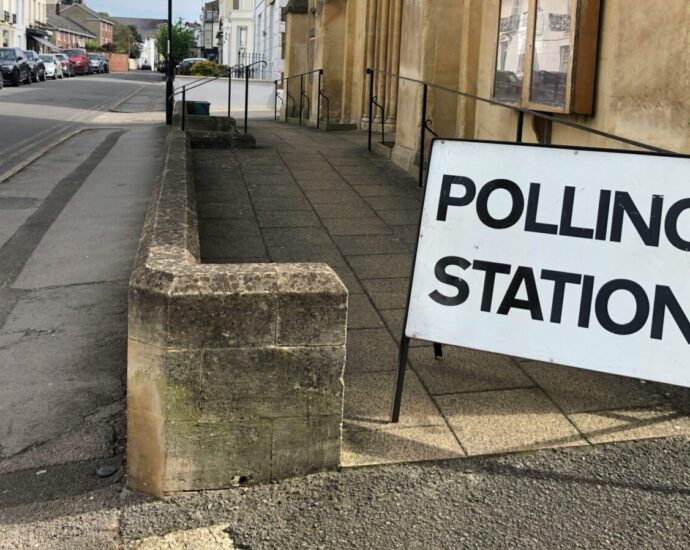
[20,27]
[268,36]
[237,24]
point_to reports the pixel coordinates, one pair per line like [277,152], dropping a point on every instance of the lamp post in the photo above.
[169,88]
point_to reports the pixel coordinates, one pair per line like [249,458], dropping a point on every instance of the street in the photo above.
[38,116]
[69,227]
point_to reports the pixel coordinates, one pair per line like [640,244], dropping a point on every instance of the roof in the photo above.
[147,28]
[88,10]
[66,24]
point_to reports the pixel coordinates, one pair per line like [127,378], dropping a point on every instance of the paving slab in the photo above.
[631,424]
[507,421]
[465,370]
[371,350]
[578,390]
[327,200]
[416,444]
[353,245]
[368,399]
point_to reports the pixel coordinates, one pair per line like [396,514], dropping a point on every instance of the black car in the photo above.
[38,70]
[15,66]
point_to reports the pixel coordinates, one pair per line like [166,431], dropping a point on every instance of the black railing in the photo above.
[302,97]
[203,81]
[426,123]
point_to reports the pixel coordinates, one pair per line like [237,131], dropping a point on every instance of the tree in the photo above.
[127,39]
[183,40]
[91,46]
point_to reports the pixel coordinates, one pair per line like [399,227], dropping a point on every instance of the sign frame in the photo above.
[404,347]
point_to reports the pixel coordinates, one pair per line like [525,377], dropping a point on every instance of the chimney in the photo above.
[57,7]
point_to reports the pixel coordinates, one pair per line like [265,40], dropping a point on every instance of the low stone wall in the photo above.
[234,371]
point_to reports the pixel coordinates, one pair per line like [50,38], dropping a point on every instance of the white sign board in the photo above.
[570,256]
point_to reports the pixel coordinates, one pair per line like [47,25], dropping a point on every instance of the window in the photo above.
[546,53]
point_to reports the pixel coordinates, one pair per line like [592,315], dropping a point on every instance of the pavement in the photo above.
[310,196]
[490,452]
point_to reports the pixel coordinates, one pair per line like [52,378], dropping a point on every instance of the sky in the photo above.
[189,10]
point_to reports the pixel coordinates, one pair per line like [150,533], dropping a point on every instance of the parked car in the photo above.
[163,67]
[38,70]
[15,67]
[79,60]
[186,65]
[67,67]
[96,63]
[106,63]
[53,66]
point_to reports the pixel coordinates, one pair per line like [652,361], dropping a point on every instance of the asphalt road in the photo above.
[35,117]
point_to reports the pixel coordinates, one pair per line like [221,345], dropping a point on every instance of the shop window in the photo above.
[546,54]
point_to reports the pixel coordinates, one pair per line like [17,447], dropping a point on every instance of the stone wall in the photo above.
[234,371]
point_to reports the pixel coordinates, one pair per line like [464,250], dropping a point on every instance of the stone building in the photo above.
[93,21]
[210,31]
[616,66]
[237,28]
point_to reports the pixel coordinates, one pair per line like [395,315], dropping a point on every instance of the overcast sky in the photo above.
[189,10]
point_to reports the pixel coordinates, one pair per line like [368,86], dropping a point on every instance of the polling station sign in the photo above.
[572,256]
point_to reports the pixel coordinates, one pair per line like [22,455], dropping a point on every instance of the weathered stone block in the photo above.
[305,445]
[235,371]
[274,382]
[216,455]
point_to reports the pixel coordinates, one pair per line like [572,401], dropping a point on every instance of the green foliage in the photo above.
[91,46]
[205,68]
[127,40]
[183,40]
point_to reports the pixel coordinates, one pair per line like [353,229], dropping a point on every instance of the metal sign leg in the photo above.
[400,379]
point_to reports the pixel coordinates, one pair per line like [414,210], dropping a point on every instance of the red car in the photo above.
[79,59]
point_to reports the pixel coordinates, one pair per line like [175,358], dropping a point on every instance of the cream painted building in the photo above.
[237,27]
[619,66]
[8,23]
[23,24]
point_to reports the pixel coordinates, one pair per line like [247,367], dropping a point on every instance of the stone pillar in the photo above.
[296,46]
[394,60]
[429,52]
[382,53]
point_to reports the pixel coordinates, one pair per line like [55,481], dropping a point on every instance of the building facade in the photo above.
[237,28]
[210,21]
[98,25]
[269,34]
[8,23]
[523,53]
[68,34]
[197,30]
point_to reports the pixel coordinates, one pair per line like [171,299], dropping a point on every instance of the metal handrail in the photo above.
[524,110]
[246,68]
[521,111]
[207,80]
[321,95]
[303,74]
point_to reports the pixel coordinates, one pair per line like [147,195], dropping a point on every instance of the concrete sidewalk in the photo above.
[308,196]
[69,228]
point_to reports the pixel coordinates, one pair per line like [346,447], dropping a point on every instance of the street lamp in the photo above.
[169,88]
